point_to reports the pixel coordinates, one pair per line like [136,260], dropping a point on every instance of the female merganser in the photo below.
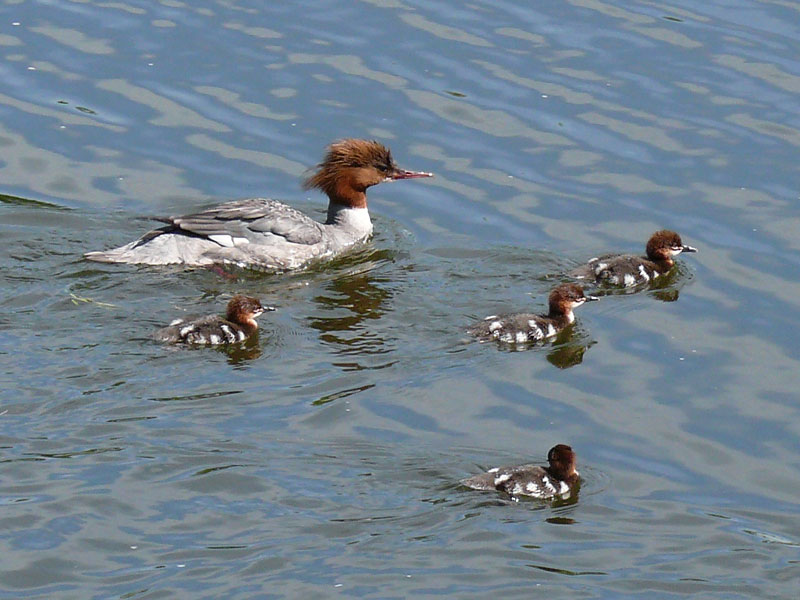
[557,479]
[239,324]
[525,327]
[629,269]
[266,234]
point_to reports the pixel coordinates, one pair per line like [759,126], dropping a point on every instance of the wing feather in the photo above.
[251,219]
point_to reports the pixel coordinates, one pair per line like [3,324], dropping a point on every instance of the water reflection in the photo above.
[363,300]
[349,303]
[568,348]
[536,503]
[580,123]
[561,521]
[565,350]
[665,288]
[242,352]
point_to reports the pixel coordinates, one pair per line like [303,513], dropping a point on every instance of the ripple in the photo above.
[325,456]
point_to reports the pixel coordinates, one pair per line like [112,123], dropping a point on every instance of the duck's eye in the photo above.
[383,168]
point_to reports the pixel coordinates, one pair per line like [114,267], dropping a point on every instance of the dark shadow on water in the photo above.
[342,394]
[566,571]
[18,201]
[190,397]
[561,521]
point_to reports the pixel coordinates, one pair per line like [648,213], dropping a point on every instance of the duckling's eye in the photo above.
[382,168]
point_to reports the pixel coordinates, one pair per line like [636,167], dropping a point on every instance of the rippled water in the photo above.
[323,458]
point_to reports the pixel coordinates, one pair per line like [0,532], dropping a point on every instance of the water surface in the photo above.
[324,457]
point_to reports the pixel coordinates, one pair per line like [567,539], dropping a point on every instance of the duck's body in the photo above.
[268,235]
[629,269]
[239,324]
[256,233]
[556,480]
[522,328]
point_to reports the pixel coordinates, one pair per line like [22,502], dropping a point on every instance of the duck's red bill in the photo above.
[403,174]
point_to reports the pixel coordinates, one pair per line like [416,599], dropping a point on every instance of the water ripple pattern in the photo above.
[323,457]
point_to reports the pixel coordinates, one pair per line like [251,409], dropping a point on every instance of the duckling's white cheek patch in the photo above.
[643,273]
[551,331]
[564,488]
[215,339]
[521,337]
[629,279]
[495,326]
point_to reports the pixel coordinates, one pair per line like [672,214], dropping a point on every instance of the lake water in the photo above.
[323,458]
